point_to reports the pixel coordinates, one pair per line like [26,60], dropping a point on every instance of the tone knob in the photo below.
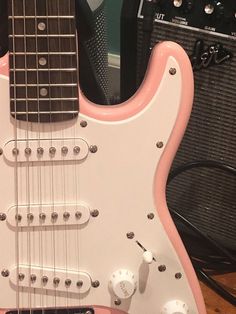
[175,307]
[123,283]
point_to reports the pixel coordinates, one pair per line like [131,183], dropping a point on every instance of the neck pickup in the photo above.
[43,60]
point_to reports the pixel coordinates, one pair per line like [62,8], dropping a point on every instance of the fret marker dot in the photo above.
[41,26]
[42,61]
[43,92]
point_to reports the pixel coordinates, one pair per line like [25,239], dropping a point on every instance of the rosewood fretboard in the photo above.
[43,60]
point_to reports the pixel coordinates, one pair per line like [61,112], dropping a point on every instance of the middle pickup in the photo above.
[48,215]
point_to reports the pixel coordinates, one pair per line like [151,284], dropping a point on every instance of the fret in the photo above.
[43,60]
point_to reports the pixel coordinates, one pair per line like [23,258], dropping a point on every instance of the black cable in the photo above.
[206,265]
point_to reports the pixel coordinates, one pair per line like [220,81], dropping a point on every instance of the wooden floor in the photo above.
[214,303]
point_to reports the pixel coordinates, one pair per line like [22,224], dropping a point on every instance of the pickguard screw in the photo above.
[79,283]
[178,275]
[15,151]
[44,280]
[162,268]
[40,151]
[94,213]
[76,150]
[21,277]
[68,282]
[54,215]
[30,217]
[52,150]
[83,124]
[64,150]
[130,235]
[5,273]
[66,215]
[56,281]
[117,302]
[93,149]
[151,216]
[3,216]
[78,215]
[95,284]
[172,71]
[42,216]
[18,217]
[160,144]
[1,151]
[33,278]
[28,151]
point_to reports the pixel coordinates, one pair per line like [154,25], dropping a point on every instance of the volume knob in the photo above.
[123,283]
[175,307]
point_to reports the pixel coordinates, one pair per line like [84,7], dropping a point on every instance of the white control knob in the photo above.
[123,283]
[147,257]
[175,307]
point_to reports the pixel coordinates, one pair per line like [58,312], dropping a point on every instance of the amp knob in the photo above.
[123,283]
[186,5]
[175,307]
[214,8]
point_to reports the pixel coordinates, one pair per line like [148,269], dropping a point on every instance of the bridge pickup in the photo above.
[74,149]
[48,215]
[50,279]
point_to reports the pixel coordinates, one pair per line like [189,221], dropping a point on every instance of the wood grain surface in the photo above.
[214,303]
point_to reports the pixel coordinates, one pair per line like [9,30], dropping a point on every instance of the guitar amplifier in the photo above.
[207,31]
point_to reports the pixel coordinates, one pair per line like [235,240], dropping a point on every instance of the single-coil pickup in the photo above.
[48,215]
[50,279]
[46,150]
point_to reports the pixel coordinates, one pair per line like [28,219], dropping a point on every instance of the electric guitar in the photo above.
[84,223]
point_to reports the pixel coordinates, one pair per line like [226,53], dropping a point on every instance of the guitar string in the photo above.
[61,166]
[16,174]
[39,168]
[27,179]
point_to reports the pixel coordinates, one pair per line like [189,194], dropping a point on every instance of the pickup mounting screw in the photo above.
[172,71]
[18,217]
[56,281]
[83,124]
[117,302]
[3,216]
[95,284]
[15,151]
[93,149]
[21,277]
[130,235]
[94,213]
[5,273]
[79,283]
[30,217]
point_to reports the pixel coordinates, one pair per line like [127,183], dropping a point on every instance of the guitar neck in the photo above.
[43,60]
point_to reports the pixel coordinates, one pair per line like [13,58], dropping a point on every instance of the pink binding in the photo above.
[156,68]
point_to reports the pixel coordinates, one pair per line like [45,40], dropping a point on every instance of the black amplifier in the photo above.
[206,29]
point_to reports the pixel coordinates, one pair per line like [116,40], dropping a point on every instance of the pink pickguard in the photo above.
[131,107]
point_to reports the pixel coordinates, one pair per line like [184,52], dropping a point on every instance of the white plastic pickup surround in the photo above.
[34,150]
[175,307]
[48,215]
[50,279]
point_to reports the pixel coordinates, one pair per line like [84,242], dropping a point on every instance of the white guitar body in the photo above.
[115,196]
